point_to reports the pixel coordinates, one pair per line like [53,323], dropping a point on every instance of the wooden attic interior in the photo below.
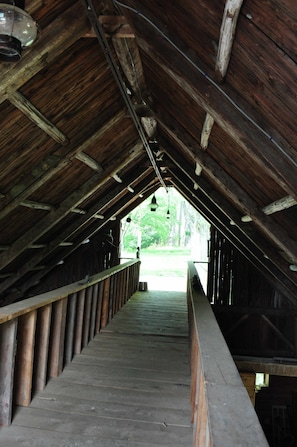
[117,98]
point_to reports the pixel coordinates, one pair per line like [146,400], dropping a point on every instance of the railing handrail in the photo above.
[19,308]
[223,414]
[39,336]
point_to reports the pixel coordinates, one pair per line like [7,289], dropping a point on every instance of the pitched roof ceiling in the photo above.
[119,95]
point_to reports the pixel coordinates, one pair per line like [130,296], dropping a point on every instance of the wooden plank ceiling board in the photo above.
[109,85]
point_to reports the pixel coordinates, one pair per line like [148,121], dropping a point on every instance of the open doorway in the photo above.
[165,231]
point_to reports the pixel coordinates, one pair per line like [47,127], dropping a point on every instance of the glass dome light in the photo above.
[17,30]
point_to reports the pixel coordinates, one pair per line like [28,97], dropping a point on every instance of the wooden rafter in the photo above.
[274,207]
[222,211]
[259,147]
[229,187]
[206,130]
[54,216]
[89,161]
[212,212]
[227,33]
[25,106]
[37,205]
[72,229]
[54,165]
[70,26]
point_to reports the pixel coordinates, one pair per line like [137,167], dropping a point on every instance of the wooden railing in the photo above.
[40,335]
[222,413]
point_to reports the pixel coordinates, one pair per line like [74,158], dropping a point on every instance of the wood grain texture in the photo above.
[129,387]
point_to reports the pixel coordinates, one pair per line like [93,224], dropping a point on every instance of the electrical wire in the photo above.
[92,15]
[209,79]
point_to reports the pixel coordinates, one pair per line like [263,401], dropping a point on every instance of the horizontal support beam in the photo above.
[276,366]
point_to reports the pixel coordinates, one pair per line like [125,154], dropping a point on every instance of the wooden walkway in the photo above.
[129,388]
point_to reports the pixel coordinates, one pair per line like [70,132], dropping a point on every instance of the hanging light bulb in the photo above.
[17,30]
[153,204]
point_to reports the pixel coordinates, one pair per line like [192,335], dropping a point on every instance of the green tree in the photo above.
[153,228]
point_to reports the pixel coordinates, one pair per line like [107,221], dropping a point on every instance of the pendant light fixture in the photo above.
[17,30]
[168,212]
[153,204]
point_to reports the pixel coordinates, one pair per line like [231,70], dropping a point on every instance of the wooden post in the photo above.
[99,307]
[79,322]
[87,316]
[8,333]
[56,359]
[25,358]
[42,345]
[105,304]
[70,328]
[93,311]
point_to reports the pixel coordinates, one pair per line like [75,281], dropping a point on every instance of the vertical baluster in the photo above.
[42,346]
[99,307]
[56,357]
[105,303]
[8,333]
[111,298]
[70,328]
[93,311]
[127,285]
[87,316]
[79,321]
[25,358]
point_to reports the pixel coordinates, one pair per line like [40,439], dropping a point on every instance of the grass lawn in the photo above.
[165,268]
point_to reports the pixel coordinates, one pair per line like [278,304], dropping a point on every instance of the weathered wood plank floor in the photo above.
[128,388]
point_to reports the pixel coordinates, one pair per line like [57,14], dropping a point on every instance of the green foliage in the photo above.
[153,229]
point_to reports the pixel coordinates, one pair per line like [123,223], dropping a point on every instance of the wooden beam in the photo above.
[114,26]
[231,189]
[227,32]
[37,205]
[206,130]
[274,312]
[89,161]
[91,230]
[78,211]
[55,165]
[218,210]
[130,61]
[194,81]
[213,214]
[72,201]
[8,343]
[273,366]
[278,332]
[63,32]
[74,227]
[278,205]
[25,106]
